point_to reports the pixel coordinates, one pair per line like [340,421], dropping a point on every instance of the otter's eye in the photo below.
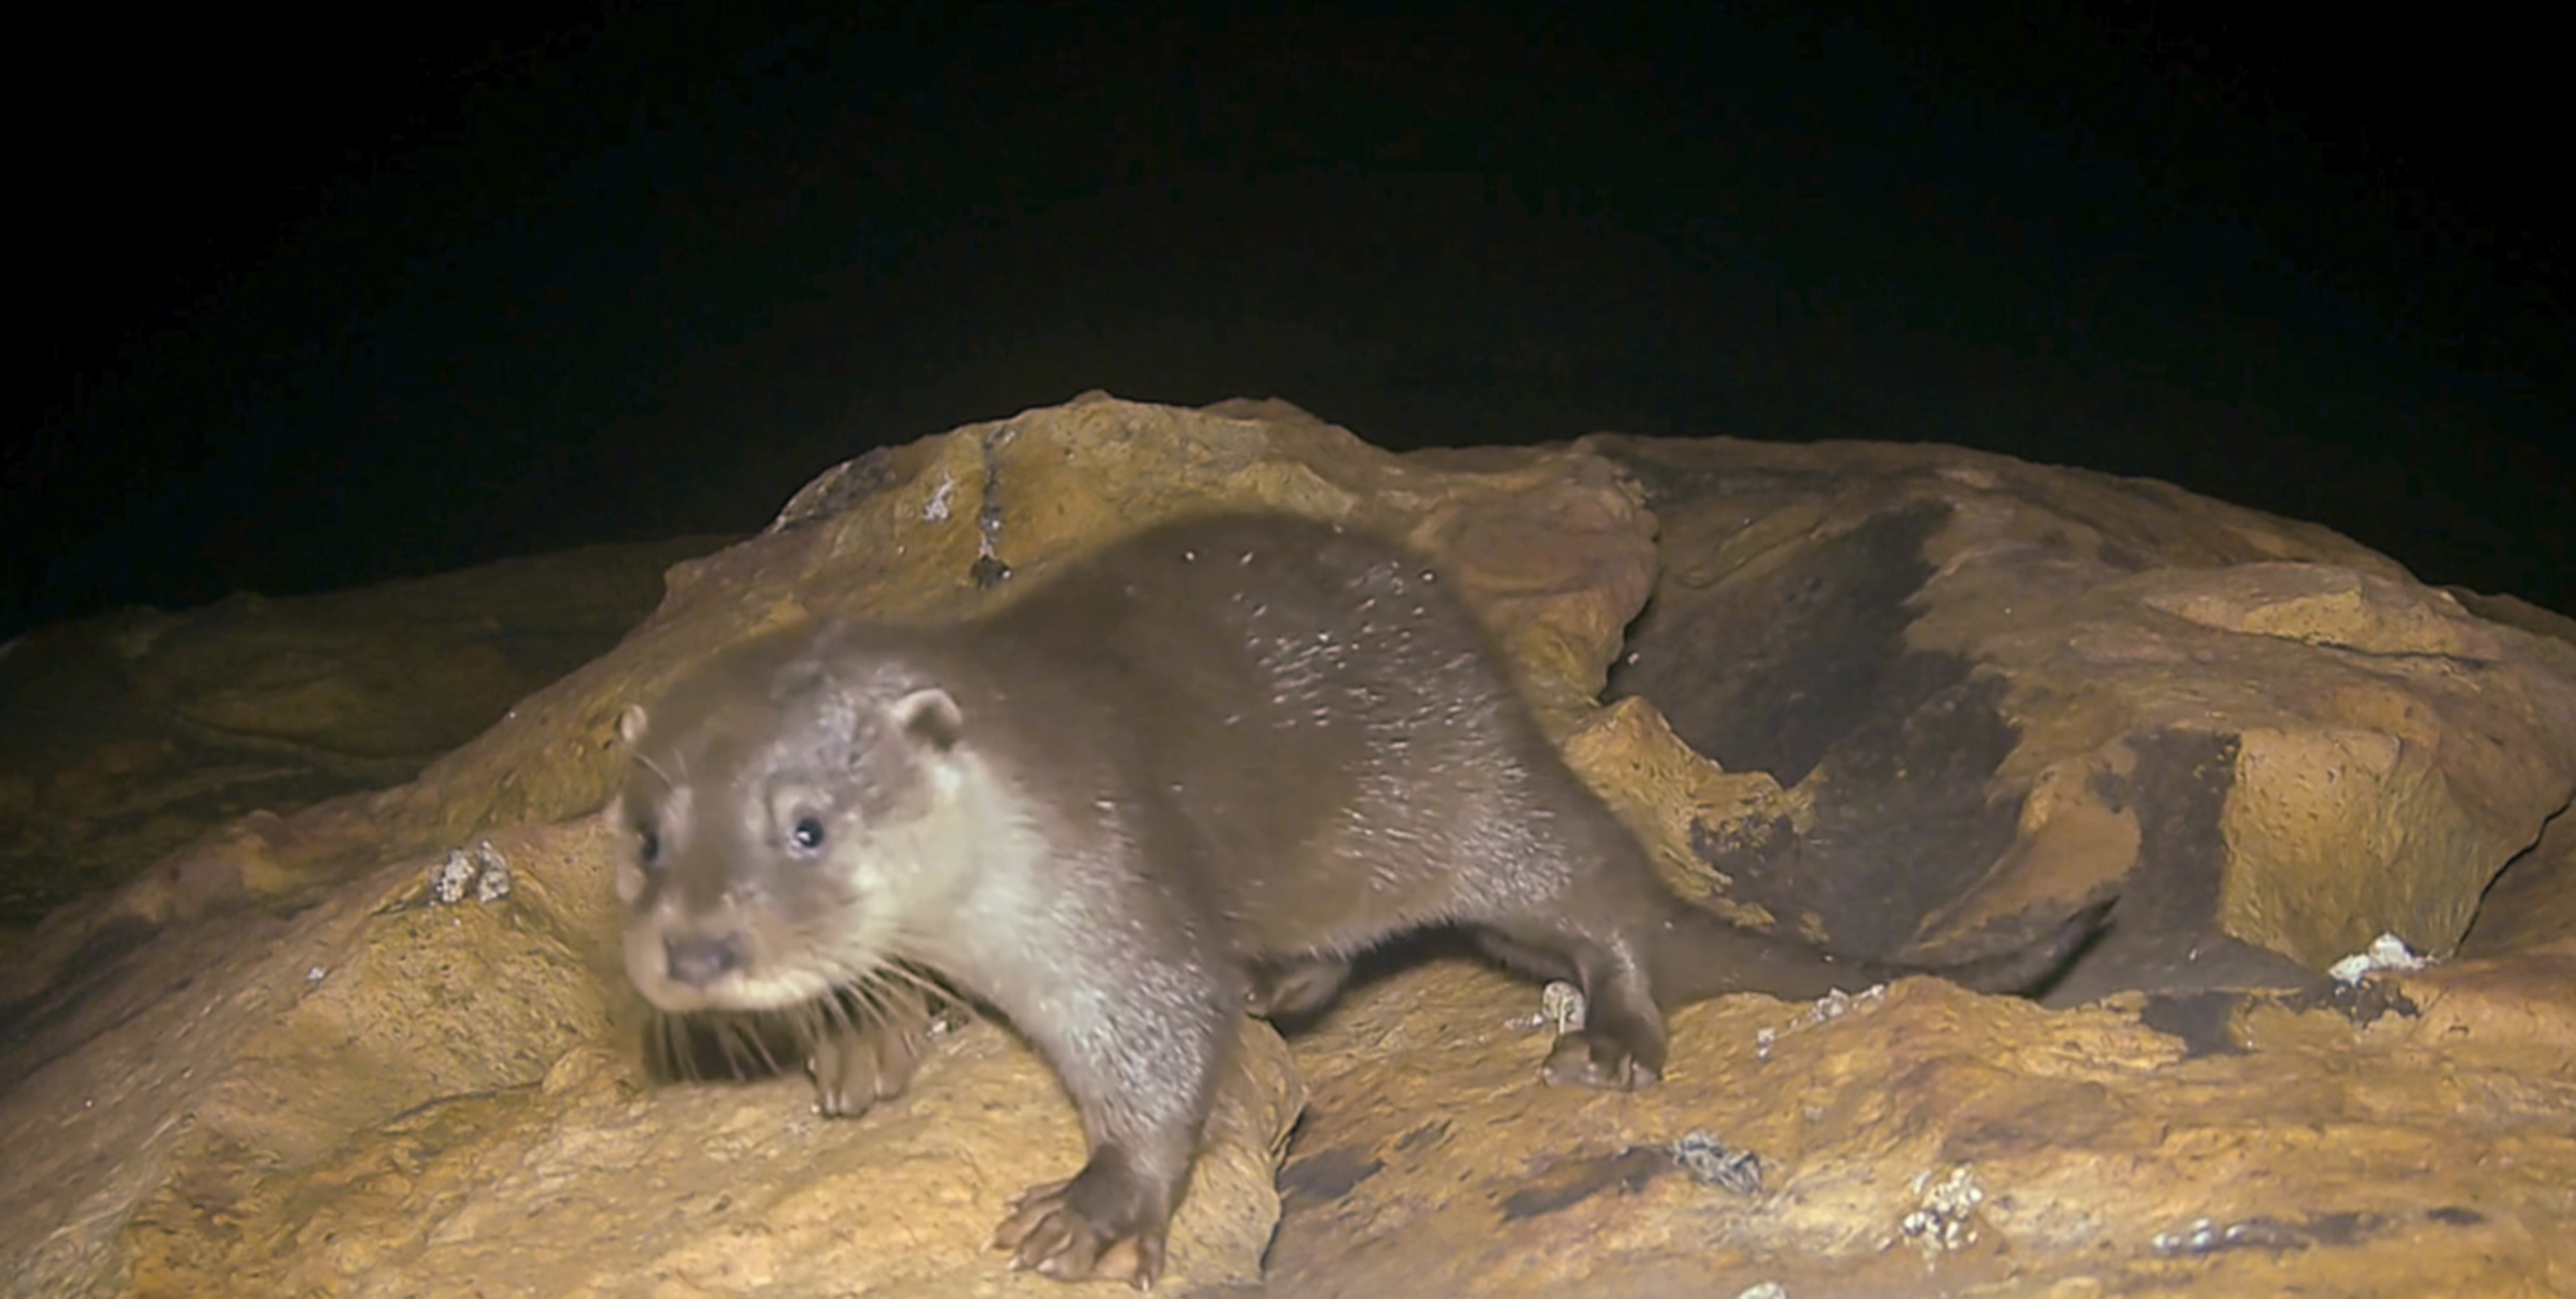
[807,832]
[649,848]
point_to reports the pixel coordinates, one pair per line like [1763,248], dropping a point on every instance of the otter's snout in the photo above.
[698,960]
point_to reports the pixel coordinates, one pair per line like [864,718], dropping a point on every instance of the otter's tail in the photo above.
[1700,956]
[2024,971]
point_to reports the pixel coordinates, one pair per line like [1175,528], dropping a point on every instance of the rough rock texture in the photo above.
[134,733]
[1949,697]
[1965,692]
[2418,1155]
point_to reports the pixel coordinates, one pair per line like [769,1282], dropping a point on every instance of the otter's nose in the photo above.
[700,959]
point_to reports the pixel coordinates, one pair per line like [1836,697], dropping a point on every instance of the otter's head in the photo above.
[791,823]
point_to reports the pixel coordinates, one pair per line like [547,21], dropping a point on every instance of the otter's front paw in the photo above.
[853,1069]
[1105,1224]
[859,1061]
[1591,1059]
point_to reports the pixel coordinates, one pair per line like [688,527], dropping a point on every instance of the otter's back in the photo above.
[1314,705]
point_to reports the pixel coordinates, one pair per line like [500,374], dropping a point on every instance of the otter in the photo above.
[1191,774]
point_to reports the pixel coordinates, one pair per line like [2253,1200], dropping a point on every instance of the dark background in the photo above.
[317,306]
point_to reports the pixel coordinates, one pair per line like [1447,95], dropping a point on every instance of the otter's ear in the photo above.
[630,725]
[929,715]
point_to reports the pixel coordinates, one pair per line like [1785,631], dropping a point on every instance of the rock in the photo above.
[1906,700]
[2412,1156]
[133,733]
[1960,694]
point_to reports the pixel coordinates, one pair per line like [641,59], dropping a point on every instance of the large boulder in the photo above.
[1907,701]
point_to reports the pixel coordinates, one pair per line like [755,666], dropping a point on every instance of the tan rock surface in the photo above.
[133,733]
[272,1065]
[2430,1156]
[420,1073]
[1962,692]
[386,1096]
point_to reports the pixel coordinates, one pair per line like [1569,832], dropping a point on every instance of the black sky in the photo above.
[321,307]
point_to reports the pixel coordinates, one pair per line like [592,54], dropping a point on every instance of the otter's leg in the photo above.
[1622,1042]
[1143,1075]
